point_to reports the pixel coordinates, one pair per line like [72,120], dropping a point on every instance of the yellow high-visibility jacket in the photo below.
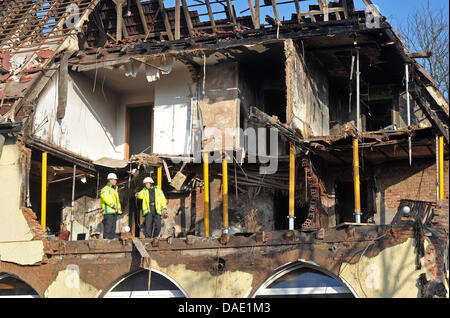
[110,200]
[160,200]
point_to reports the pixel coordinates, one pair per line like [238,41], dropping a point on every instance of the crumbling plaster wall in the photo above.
[390,274]
[89,113]
[307,93]
[220,106]
[16,237]
[202,284]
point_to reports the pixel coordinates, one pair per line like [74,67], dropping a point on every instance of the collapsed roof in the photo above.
[34,33]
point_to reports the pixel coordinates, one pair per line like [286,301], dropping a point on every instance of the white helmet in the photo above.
[112,176]
[148,180]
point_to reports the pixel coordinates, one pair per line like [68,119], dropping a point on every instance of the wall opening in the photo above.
[136,286]
[139,130]
[281,211]
[345,206]
[303,281]
[379,115]
[13,287]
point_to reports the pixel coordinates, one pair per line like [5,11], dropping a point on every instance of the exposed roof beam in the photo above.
[211,16]
[187,16]
[142,15]
[166,20]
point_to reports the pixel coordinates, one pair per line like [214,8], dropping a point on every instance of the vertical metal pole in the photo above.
[356,183]
[291,186]
[206,201]
[441,168]
[159,177]
[44,191]
[225,193]
[408,108]
[358,93]
[73,200]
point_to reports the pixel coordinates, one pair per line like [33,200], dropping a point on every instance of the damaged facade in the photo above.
[140,88]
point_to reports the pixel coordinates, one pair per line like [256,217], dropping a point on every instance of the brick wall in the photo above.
[398,181]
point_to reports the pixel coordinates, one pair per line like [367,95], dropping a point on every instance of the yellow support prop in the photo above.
[356,176]
[291,186]
[225,191]
[159,177]
[44,191]
[206,201]
[441,167]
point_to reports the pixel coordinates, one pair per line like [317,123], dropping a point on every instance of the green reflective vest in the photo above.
[160,200]
[110,200]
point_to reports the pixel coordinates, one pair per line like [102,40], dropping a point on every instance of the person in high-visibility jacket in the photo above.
[154,205]
[110,206]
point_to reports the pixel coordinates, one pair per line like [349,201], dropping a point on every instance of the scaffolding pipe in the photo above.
[44,191]
[206,200]
[291,186]
[225,193]
[73,200]
[441,167]
[408,108]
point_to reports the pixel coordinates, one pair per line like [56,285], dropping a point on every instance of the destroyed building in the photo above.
[192,93]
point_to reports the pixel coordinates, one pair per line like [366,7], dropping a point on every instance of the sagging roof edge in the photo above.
[265,36]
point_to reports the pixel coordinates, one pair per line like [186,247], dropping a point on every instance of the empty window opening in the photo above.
[345,206]
[379,115]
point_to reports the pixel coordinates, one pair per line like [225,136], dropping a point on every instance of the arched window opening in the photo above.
[136,286]
[13,287]
[302,281]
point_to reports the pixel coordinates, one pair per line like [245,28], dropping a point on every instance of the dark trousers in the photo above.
[150,219]
[109,226]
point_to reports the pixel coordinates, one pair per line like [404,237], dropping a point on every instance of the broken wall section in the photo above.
[20,235]
[220,106]
[307,92]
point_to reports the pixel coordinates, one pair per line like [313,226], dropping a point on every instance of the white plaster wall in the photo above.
[16,243]
[89,126]
[13,226]
[172,113]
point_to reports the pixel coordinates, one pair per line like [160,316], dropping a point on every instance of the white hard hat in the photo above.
[112,176]
[148,180]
